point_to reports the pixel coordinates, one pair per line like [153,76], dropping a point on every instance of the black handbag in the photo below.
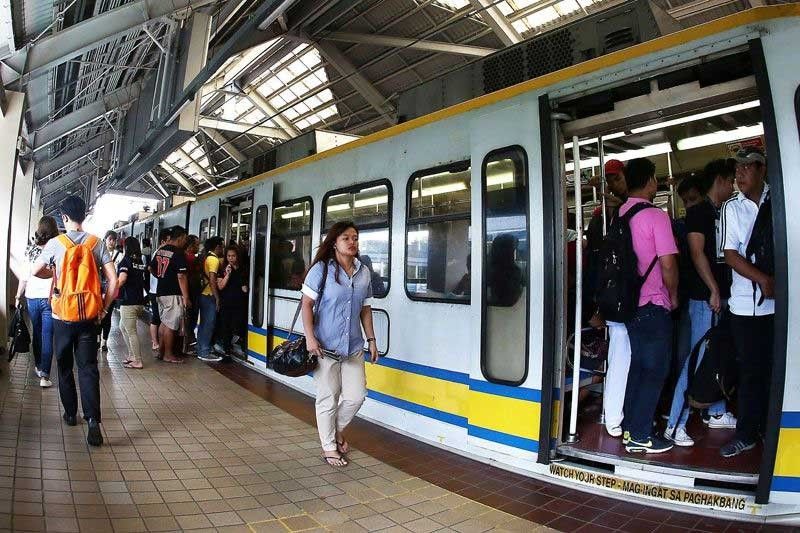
[292,357]
[19,335]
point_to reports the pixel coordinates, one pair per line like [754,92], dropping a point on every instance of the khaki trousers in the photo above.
[128,317]
[341,389]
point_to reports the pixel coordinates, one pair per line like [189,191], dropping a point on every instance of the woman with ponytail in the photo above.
[131,273]
[339,287]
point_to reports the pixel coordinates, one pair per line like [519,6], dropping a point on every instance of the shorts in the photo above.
[155,318]
[171,311]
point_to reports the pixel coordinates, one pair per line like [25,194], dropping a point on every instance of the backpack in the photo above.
[76,294]
[761,247]
[618,279]
[715,378]
[197,274]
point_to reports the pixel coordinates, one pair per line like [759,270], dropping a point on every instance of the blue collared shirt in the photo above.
[338,316]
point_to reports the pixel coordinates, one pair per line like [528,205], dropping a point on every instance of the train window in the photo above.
[504,335]
[438,234]
[369,207]
[212,227]
[203,230]
[290,251]
[259,265]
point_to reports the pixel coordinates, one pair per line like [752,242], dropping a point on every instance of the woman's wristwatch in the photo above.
[371,339]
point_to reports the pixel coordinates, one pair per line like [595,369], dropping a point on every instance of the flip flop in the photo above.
[343,447]
[128,365]
[336,462]
[174,361]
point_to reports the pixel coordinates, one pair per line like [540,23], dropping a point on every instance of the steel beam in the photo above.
[263,104]
[226,145]
[241,127]
[390,41]
[64,181]
[179,178]
[196,168]
[99,29]
[374,98]
[85,115]
[495,19]
[45,167]
[695,8]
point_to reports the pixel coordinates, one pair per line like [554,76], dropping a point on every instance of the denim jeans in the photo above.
[76,343]
[205,330]
[650,333]
[701,316]
[42,338]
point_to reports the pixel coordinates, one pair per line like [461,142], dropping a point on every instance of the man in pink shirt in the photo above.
[650,329]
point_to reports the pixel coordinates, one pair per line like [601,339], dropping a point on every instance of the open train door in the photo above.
[259,274]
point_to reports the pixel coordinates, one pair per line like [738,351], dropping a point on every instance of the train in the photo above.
[443,199]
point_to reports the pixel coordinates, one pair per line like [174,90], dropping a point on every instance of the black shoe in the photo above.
[735,447]
[70,420]
[94,438]
[648,445]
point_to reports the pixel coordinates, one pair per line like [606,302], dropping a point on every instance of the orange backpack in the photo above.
[76,293]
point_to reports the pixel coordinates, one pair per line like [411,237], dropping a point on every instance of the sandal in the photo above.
[129,364]
[343,447]
[336,461]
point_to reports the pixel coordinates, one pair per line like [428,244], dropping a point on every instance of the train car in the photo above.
[464,217]
[150,227]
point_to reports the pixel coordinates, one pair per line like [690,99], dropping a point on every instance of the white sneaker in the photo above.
[614,431]
[39,373]
[44,383]
[725,421]
[681,438]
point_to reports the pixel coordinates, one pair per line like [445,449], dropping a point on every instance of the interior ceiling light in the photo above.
[647,151]
[699,116]
[718,137]
[366,202]
[337,207]
[440,189]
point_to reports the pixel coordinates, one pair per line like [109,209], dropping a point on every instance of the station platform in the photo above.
[223,448]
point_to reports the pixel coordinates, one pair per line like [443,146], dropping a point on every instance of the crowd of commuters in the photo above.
[716,263]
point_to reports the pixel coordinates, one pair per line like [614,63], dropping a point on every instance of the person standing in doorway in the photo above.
[194,274]
[749,251]
[36,291]
[169,266]
[209,300]
[650,329]
[74,259]
[131,274]
[340,288]
[233,307]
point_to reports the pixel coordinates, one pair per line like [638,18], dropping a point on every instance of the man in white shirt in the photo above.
[749,252]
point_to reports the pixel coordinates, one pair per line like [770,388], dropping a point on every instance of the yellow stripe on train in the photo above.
[787,457]
[506,415]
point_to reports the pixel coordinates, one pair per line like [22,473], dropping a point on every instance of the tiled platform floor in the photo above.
[198,447]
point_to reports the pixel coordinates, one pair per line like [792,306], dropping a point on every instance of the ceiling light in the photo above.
[440,189]
[744,132]
[366,202]
[593,140]
[500,179]
[647,151]
[337,207]
[292,214]
[699,116]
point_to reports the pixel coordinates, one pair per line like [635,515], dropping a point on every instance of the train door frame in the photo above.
[262,195]
[554,208]
[227,206]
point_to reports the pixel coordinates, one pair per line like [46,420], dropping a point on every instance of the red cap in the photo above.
[613,167]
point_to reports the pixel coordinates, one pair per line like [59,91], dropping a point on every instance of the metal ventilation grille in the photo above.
[550,53]
[618,39]
[265,162]
[504,69]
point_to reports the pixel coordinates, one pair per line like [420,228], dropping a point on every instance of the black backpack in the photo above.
[716,377]
[761,246]
[618,279]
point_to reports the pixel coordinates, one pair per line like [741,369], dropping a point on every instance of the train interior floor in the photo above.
[222,448]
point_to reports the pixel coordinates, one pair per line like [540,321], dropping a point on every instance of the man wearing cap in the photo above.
[747,245]
[75,342]
[619,347]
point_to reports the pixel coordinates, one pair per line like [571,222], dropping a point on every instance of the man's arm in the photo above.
[111,290]
[669,272]
[747,269]
[183,282]
[697,242]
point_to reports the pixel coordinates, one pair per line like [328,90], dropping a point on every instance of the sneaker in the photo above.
[735,447]
[44,382]
[238,350]
[626,437]
[723,421]
[614,431]
[648,445]
[94,437]
[39,373]
[219,349]
[210,358]
[681,438]
[69,419]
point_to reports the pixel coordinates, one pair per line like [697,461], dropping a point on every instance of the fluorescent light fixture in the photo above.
[500,179]
[718,137]
[366,202]
[338,207]
[647,151]
[292,214]
[593,140]
[699,116]
[440,189]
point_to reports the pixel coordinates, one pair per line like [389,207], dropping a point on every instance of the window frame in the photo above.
[427,220]
[287,203]
[493,155]
[265,289]
[389,217]
[212,226]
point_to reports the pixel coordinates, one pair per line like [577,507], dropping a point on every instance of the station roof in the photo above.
[322,64]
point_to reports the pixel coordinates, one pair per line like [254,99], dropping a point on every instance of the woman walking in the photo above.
[340,287]
[131,274]
[232,286]
[37,293]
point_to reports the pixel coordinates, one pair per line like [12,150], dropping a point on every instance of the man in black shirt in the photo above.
[708,282]
[170,267]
